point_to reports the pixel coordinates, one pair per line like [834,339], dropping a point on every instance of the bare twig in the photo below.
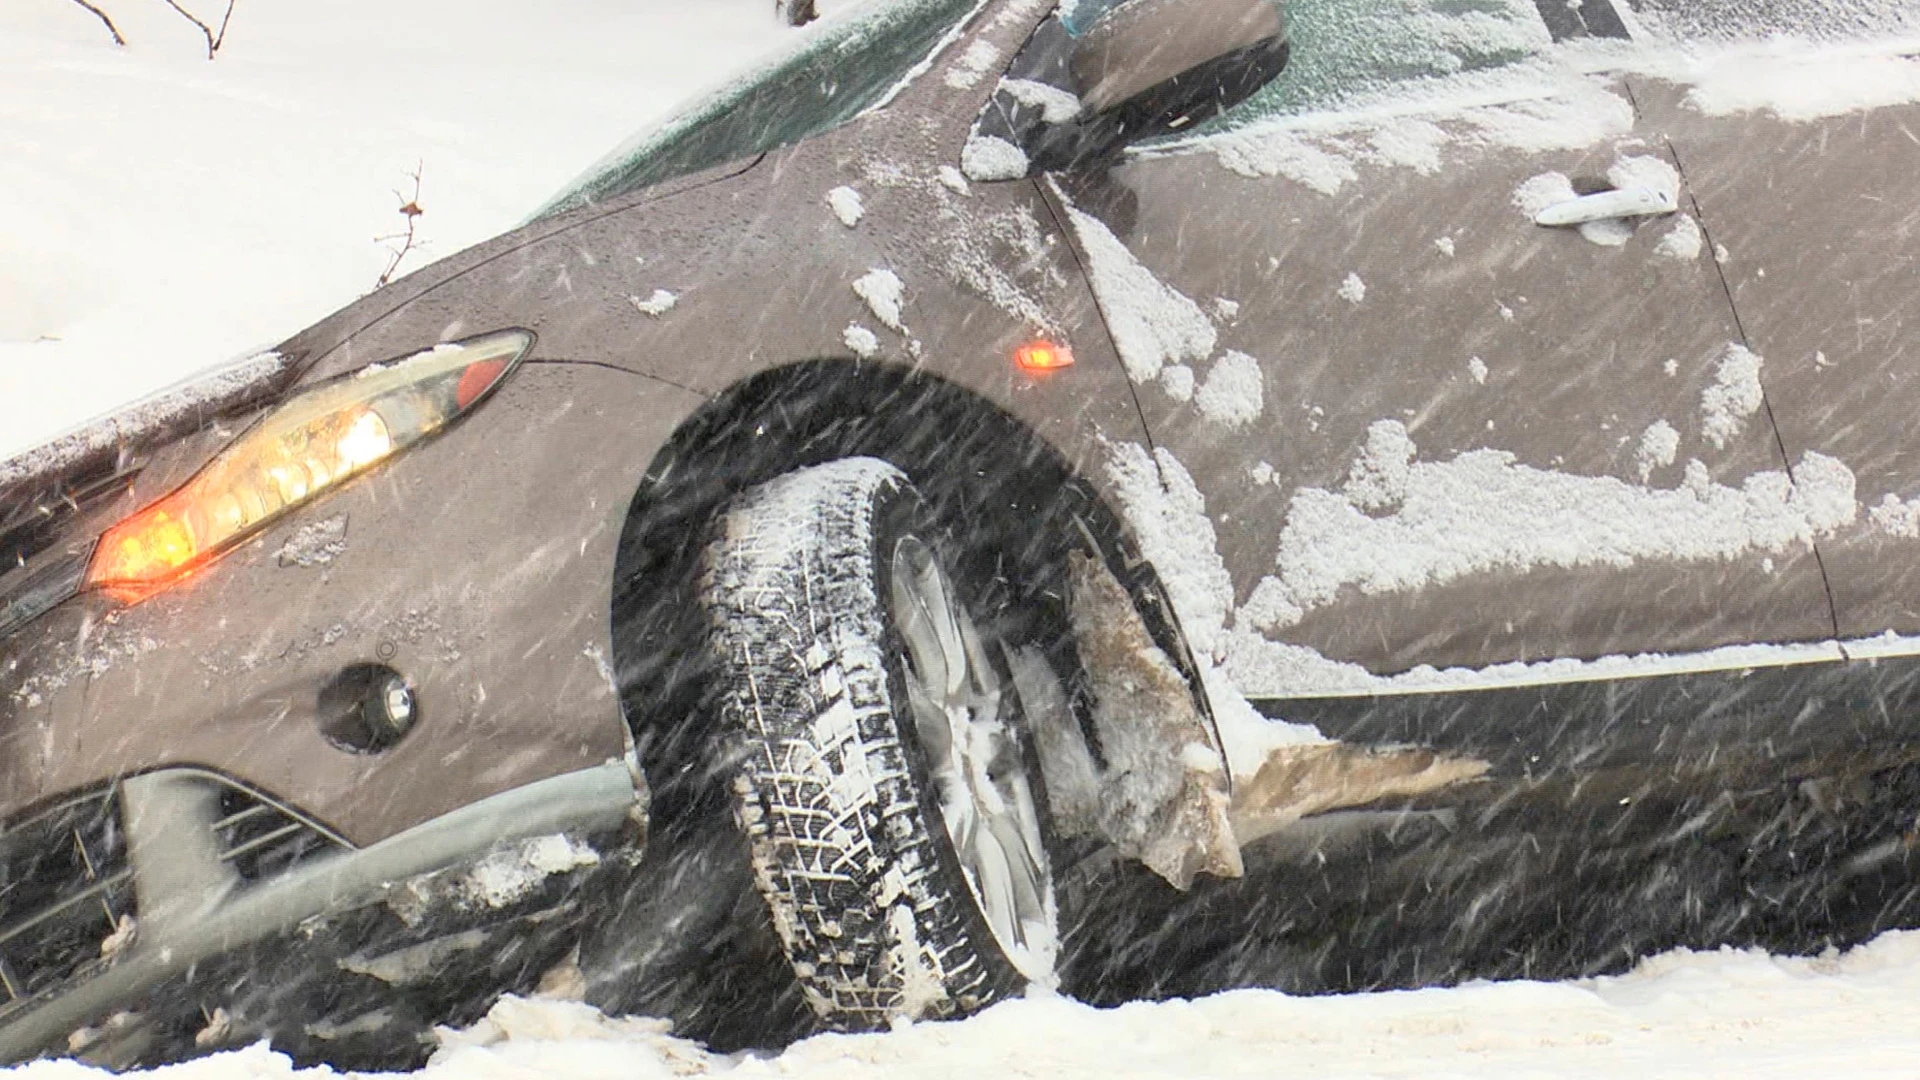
[215,38]
[102,16]
[400,244]
[220,38]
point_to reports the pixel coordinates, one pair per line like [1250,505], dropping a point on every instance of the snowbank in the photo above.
[160,213]
[1682,1014]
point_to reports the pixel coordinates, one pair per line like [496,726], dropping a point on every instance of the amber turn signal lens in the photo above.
[308,446]
[1043,356]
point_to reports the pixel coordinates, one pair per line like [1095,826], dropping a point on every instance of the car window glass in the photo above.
[1347,53]
[841,68]
[1721,21]
[1078,15]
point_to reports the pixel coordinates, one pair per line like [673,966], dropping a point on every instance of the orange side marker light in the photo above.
[146,549]
[1043,356]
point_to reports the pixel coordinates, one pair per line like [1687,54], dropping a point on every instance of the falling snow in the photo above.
[1397,523]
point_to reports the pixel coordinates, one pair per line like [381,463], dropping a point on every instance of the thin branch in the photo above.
[220,38]
[214,39]
[102,16]
[400,244]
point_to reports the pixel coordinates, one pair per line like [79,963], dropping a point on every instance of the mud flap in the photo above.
[1163,795]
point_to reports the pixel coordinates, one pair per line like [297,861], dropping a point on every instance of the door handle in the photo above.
[1604,205]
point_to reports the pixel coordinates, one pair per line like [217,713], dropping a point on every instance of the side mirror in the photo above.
[1172,63]
[1140,68]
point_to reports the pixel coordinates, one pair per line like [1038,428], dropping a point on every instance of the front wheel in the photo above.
[885,778]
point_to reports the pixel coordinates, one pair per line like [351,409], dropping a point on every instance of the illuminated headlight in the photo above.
[308,446]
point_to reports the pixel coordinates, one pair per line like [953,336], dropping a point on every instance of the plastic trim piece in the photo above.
[596,799]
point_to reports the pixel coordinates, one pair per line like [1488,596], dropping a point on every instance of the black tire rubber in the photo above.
[855,864]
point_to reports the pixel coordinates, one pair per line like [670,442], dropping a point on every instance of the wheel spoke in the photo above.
[977,761]
[930,721]
[985,681]
[995,884]
[925,651]
[946,617]
[1027,814]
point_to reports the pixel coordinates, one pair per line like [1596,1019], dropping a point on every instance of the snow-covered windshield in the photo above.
[839,68]
[1346,53]
[1717,21]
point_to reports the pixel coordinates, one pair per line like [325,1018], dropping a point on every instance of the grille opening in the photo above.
[66,882]
[65,886]
[260,840]
[33,524]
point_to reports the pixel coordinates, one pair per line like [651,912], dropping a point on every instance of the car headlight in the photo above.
[308,446]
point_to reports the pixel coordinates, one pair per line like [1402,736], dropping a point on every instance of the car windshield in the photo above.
[839,69]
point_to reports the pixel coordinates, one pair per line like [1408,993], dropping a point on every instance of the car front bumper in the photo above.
[137,887]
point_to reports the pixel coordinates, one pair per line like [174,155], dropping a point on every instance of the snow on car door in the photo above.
[1804,155]
[1398,423]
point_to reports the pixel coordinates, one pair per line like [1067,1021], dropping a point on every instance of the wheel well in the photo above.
[983,469]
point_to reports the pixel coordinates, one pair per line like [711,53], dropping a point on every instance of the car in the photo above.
[830,565]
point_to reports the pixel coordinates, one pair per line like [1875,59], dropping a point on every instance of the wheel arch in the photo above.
[977,463]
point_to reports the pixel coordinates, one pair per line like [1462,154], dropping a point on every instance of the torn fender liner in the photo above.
[1163,797]
[1313,778]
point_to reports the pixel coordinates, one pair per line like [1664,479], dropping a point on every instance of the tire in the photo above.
[820,588]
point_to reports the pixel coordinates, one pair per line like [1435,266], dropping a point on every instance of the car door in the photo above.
[1401,425]
[1804,160]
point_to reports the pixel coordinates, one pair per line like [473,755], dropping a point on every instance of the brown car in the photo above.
[855,486]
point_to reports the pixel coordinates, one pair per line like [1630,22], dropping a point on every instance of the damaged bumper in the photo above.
[1152,778]
[118,894]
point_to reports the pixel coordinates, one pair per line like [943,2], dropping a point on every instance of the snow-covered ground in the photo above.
[1693,1015]
[1728,1013]
[160,213]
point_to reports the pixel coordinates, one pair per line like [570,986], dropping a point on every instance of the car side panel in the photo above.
[1428,300]
[1820,222]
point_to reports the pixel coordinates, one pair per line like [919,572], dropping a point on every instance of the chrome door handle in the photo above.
[1604,205]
